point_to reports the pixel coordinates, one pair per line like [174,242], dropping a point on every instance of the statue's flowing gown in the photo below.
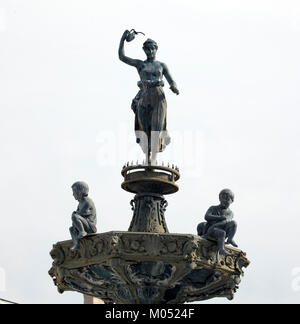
[150,107]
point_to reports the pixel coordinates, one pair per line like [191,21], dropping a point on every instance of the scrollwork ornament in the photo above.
[171,263]
[58,255]
[133,204]
[163,206]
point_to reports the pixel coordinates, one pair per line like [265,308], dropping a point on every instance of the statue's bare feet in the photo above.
[75,247]
[82,234]
[224,252]
[232,243]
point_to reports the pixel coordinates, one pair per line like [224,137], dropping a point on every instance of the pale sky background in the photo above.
[65,98]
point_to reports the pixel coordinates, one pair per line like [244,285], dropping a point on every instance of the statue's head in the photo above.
[226,198]
[80,190]
[150,48]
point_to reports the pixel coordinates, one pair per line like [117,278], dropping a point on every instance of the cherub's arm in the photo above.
[211,217]
[86,209]
[219,220]
[229,217]
[122,55]
[169,78]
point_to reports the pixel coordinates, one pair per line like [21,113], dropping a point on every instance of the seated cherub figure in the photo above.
[219,223]
[84,219]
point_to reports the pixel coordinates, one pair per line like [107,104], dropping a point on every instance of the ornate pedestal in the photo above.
[150,184]
[147,265]
[147,268]
[148,213]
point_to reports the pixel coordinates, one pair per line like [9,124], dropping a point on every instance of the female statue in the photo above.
[149,105]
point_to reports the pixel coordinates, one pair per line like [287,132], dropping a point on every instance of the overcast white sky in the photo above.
[65,98]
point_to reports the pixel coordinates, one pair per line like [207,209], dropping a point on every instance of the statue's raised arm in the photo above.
[122,56]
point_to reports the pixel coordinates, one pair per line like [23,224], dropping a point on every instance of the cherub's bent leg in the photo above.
[219,235]
[201,228]
[74,235]
[81,224]
[231,228]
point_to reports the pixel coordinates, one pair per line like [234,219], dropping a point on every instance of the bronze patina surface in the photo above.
[147,264]
[155,179]
[147,268]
